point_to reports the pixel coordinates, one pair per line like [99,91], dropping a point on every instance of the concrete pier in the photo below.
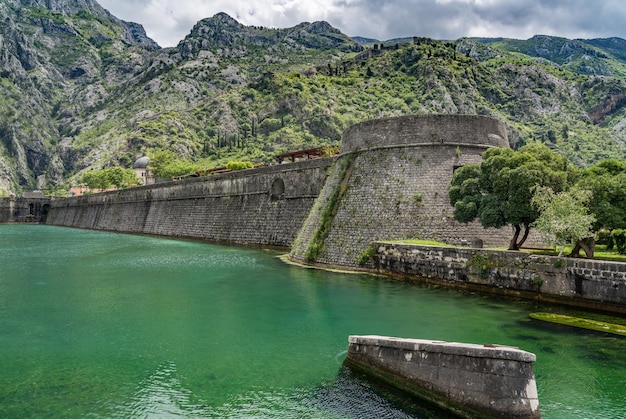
[473,381]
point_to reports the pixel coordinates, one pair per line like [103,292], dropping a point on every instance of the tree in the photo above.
[165,164]
[114,177]
[607,182]
[121,178]
[498,191]
[96,179]
[159,159]
[564,216]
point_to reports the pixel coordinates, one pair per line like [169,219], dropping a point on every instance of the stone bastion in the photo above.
[415,130]
[391,182]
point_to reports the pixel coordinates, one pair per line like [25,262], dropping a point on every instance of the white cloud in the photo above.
[169,21]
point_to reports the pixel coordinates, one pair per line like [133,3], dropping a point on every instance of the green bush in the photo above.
[239,165]
[604,237]
[366,255]
[619,239]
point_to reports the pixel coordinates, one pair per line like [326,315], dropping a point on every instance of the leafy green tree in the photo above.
[178,168]
[607,181]
[113,177]
[96,180]
[159,159]
[564,217]
[121,178]
[498,192]
[165,164]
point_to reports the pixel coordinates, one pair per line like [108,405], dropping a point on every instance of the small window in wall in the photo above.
[31,209]
[278,190]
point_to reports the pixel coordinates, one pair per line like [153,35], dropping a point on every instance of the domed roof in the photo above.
[141,162]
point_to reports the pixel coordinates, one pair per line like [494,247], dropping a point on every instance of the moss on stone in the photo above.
[599,326]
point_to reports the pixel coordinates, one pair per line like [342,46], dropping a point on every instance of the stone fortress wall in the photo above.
[264,206]
[390,179]
[391,182]
[25,209]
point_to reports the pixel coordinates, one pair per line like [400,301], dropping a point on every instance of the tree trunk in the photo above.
[524,237]
[513,243]
[588,246]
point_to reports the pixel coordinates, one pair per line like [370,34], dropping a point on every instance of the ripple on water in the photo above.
[162,395]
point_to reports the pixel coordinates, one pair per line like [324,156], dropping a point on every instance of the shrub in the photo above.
[366,255]
[619,239]
[604,237]
[239,165]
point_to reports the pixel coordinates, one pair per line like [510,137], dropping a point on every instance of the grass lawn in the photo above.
[601,252]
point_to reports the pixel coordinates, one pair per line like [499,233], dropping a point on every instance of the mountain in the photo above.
[364,41]
[82,90]
[605,57]
[59,60]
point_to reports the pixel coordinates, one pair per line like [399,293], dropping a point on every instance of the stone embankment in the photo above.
[591,284]
[472,381]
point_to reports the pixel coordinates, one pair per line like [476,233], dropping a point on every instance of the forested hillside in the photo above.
[82,90]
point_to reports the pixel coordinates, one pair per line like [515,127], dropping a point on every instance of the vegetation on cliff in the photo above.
[82,90]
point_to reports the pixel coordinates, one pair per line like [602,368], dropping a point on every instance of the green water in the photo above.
[108,325]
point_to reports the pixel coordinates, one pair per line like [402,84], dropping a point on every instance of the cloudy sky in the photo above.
[169,21]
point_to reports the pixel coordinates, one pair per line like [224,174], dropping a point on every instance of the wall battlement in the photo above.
[425,130]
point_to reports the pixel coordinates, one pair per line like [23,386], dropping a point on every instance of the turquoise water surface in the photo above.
[96,324]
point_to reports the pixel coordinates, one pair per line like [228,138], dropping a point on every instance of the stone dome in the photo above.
[141,162]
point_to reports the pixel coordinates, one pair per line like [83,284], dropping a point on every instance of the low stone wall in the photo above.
[593,284]
[471,381]
[264,206]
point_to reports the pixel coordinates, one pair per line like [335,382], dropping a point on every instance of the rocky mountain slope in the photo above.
[81,89]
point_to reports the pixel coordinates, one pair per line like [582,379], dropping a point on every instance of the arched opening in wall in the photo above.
[278,190]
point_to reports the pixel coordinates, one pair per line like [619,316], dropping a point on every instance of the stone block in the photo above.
[496,381]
